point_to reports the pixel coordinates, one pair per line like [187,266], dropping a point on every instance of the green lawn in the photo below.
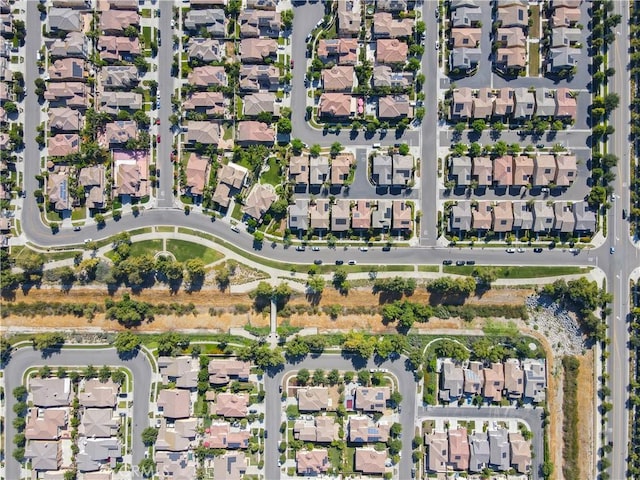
[79,213]
[534,59]
[237,212]
[228,133]
[534,31]
[184,250]
[17,251]
[428,268]
[335,457]
[272,175]
[166,229]
[520,272]
[140,248]
[146,35]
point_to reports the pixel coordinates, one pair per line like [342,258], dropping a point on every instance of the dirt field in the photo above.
[585,413]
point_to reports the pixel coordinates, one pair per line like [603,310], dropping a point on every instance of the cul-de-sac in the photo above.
[341,239]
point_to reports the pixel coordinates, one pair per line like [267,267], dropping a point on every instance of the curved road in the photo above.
[25,358]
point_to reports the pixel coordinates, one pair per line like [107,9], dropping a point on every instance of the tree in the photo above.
[171,343]
[336,148]
[284,125]
[127,311]
[459,128]
[296,146]
[118,376]
[315,150]
[287,18]
[339,278]
[104,373]
[30,262]
[149,436]
[258,237]
[395,398]
[195,269]
[475,149]
[333,377]
[296,347]
[147,467]
[396,429]
[359,344]
[364,377]
[316,284]
[451,349]
[478,126]
[5,347]
[49,340]
[99,219]
[20,393]
[611,102]
[319,377]
[127,342]
[403,149]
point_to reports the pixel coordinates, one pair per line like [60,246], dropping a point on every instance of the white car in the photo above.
[511,250]
[521,250]
[364,249]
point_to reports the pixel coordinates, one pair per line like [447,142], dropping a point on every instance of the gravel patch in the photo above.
[558,325]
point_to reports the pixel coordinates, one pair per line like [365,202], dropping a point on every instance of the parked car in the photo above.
[364,249]
[437,45]
[76,229]
[624,214]
[511,250]
[537,250]
[447,262]
[158,139]
[520,250]
[315,249]
[386,248]
[235,229]
[318,261]
[471,262]
[301,248]
[352,262]
[437,13]
[339,262]
[612,250]
[460,263]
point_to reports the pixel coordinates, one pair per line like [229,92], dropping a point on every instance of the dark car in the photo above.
[447,262]
[460,263]
[624,214]
[471,262]
[537,250]
[386,249]
[339,262]
[318,262]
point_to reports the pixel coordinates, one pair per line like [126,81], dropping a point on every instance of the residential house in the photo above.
[382,170]
[75,44]
[460,218]
[259,201]
[312,462]
[322,429]
[131,173]
[565,37]
[58,190]
[340,215]
[96,452]
[257,49]
[545,102]
[543,217]
[504,102]
[520,450]
[482,172]
[210,103]
[464,59]
[97,394]
[524,103]
[250,132]
[465,37]
[222,371]
[213,20]
[402,216]
[585,218]
[260,102]
[459,449]
[513,379]
[197,172]
[341,51]
[394,107]
[362,429]
[565,3]
[119,132]
[381,216]
[513,14]
[45,424]
[99,423]
[473,378]
[493,381]
[460,169]
[262,4]
[113,102]
[336,105]
[6,25]
[462,105]
[503,171]
[175,404]
[482,216]
[231,178]
[93,179]
[384,76]
[319,215]
[229,466]
[115,22]
[391,51]
[499,449]
[511,37]
[361,215]
[479,451]
[386,26]
[177,436]
[231,405]
[465,16]
[544,170]
[181,371]
[402,170]
[511,58]
[259,23]
[564,219]
[119,76]
[566,171]
[349,17]
[206,49]
[560,59]
[523,169]
[340,168]
[67,94]
[63,144]
[451,381]
[438,451]
[113,48]
[206,133]
[318,170]
[566,104]
[68,70]
[259,77]
[172,465]
[392,5]
[208,76]
[44,455]
[565,17]
[483,104]
[313,399]
[117,4]
[299,169]
[535,379]
[65,20]
[370,461]
[299,215]
[339,78]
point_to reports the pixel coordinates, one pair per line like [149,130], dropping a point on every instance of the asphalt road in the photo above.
[26,358]
[274,413]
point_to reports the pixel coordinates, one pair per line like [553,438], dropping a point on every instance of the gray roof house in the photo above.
[96,452]
[44,455]
[119,76]
[50,392]
[112,102]
[535,379]
[257,103]
[299,215]
[499,449]
[522,216]
[479,450]
[451,380]
[545,102]
[402,169]
[381,216]
[543,217]
[585,218]
[212,19]
[382,171]
[318,170]
[525,103]
[392,5]
[565,221]
[384,76]
[562,59]
[65,19]
[460,219]
[466,16]
[464,58]
[473,378]
[460,168]
[256,23]
[206,49]
[565,37]
[75,44]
